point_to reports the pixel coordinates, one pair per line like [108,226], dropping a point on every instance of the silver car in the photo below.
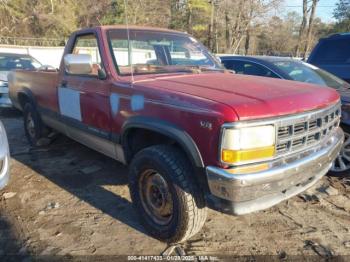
[4,157]
[10,62]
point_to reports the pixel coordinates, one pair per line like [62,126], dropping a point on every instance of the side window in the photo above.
[257,70]
[87,44]
[332,52]
[233,65]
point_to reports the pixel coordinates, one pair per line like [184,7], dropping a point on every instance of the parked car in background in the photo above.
[8,62]
[194,134]
[4,158]
[333,55]
[296,70]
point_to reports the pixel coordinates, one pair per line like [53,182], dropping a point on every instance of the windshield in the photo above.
[304,72]
[152,52]
[8,63]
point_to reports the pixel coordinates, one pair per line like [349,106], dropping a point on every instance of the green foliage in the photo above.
[342,11]
[114,14]
[224,25]
[342,15]
[199,5]
[341,27]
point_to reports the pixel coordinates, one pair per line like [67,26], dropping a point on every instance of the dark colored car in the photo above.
[333,54]
[8,62]
[296,70]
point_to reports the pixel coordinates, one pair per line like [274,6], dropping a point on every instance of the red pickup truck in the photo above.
[194,135]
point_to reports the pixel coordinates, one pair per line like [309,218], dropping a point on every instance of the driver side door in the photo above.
[84,99]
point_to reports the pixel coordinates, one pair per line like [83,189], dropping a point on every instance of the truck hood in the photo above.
[249,96]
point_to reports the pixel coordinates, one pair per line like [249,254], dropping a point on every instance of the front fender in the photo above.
[167,129]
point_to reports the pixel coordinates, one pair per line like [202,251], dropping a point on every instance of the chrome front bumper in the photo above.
[285,178]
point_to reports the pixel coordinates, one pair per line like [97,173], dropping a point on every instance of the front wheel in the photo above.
[341,164]
[163,190]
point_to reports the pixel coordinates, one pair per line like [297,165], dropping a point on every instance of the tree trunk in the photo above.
[189,19]
[211,27]
[302,28]
[247,42]
[227,32]
[216,44]
[237,31]
[309,30]
[247,39]
[173,13]
[52,7]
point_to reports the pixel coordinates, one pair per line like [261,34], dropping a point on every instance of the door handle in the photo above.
[64,83]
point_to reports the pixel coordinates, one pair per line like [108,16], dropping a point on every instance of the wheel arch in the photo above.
[25,95]
[165,129]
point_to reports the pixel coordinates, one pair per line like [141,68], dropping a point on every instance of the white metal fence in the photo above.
[45,55]
[50,55]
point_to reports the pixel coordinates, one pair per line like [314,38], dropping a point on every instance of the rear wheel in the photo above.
[35,130]
[170,203]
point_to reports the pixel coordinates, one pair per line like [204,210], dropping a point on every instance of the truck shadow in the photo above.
[84,173]
[10,244]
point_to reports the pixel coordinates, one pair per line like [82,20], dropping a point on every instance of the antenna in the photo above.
[129,44]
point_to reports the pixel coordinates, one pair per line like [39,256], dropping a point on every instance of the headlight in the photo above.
[247,144]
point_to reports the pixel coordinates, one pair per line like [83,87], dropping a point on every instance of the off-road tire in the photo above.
[189,210]
[39,134]
[344,172]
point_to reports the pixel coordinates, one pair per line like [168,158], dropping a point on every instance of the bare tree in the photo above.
[240,15]
[309,30]
[306,25]
[302,28]
[231,26]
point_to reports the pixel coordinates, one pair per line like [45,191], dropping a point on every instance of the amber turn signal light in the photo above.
[238,156]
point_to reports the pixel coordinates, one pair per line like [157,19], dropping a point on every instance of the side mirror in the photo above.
[101,73]
[78,64]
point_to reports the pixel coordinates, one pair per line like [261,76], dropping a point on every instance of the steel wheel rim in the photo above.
[30,125]
[342,162]
[156,197]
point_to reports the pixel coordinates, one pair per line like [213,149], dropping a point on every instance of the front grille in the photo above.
[306,130]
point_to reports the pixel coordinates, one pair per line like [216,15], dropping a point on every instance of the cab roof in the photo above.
[134,27]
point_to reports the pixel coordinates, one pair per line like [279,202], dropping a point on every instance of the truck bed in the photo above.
[41,83]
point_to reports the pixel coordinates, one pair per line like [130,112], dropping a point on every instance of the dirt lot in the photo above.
[68,200]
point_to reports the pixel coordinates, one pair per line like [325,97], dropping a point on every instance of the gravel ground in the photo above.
[69,201]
